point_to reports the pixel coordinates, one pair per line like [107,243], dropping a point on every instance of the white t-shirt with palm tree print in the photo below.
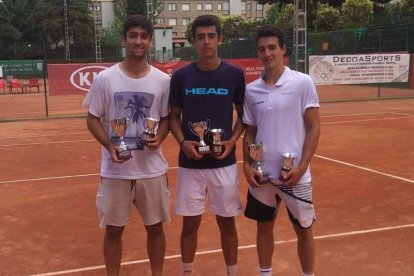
[114,95]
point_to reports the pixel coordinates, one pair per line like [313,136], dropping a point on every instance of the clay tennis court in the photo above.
[363,175]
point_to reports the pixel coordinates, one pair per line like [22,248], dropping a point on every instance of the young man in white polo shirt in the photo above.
[281,111]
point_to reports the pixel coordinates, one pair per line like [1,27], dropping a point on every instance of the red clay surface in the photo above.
[363,192]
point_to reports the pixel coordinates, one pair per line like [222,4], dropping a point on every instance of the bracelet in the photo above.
[182,142]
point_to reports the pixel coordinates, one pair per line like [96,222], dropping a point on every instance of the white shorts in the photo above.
[219,185]
[115,198]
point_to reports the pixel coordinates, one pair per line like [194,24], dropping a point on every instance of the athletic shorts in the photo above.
[263,203]
[220,186]
[116,197]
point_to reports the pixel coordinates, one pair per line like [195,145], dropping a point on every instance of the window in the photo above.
[259,7]
[172,21]
[185,7]
[174,34]
[172,6]
[208,7]
[160,20]
[225,6]
[243,6]
[199,7]
[186,21]
[220,6]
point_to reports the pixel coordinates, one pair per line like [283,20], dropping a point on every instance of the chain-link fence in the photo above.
[28,102]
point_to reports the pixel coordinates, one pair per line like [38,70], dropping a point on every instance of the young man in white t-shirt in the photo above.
[131,90]
[281,111]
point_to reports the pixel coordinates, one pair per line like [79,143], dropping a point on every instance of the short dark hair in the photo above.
[206,21]
[271,30]
[140,21]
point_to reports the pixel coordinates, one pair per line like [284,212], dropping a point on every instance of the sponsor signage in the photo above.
[357,69]
[67,79]
[22,68]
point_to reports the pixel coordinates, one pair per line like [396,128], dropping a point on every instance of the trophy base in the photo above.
[283,173]
[147,136]
[217,149]
[262,179]
[124,155]
[203,150]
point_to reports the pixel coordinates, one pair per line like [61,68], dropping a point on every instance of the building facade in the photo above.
[179,13]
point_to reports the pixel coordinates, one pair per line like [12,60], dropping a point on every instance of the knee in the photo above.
[155,230]
[113,233]
[265,227]
[190,225]
[226,225]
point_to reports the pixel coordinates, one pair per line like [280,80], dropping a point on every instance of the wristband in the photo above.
[181,143]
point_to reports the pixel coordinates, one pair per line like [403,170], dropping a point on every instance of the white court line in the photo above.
[47,143]
[174,168]
[344,234]
[365,169]
[368,120]
[354,114]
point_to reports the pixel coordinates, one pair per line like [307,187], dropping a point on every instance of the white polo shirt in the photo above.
[278,112]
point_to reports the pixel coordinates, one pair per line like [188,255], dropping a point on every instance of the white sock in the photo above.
[304,274]
[186,268]
[266,271]
[231,270]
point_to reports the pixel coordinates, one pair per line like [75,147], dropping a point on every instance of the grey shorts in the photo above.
[116,198]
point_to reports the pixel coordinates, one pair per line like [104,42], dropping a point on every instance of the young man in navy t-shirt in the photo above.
[206,91]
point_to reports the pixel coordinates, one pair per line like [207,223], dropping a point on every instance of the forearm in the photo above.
[163,129]
[249,138]
[312,136]
[174,123]
[98,132]
[309,148]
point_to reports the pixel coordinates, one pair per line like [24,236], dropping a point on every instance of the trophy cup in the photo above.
[149,131]
[119,127]
[288,158]
[200,129]
[217,134]
[255,152]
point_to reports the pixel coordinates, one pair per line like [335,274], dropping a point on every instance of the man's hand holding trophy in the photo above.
[119,127]
[149,133]
[255,153]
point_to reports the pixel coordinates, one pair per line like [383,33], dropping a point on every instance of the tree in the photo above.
[233,27]
[407,8]
[327,18]
[357,13]
[285,18]
[136,7]
[272,13]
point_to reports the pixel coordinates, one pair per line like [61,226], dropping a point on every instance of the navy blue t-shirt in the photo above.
[207,95]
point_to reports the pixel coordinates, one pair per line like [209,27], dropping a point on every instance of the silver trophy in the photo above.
[200,129]
[217,135]
[256,152]
[119,127]
[149,131]
[287,165]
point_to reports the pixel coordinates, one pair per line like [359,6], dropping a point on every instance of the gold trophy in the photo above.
[217,135]
[200,129]
[256,152]
[119,127]
[287,158]
[149,131]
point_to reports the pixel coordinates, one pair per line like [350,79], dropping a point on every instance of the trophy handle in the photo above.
[191,128]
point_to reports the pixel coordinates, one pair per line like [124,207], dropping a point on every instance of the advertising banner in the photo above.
[65,79]
[21,68]
[357,69]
